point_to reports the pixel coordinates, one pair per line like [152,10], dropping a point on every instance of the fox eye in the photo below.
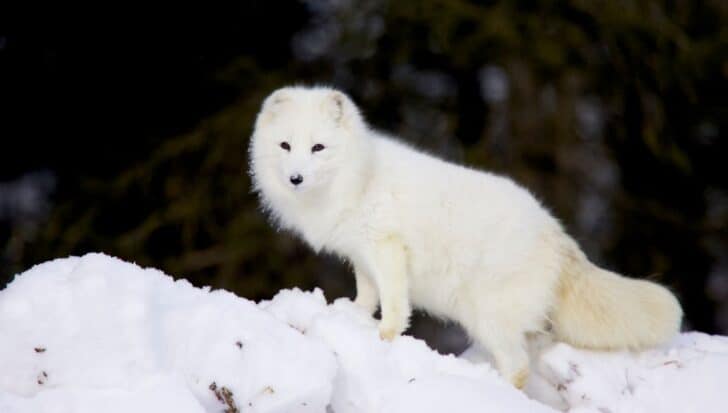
[286,146]
[318,147]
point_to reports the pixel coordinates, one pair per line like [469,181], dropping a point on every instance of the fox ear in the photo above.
[341,109]
[277,97]
[336,105]
[273,104]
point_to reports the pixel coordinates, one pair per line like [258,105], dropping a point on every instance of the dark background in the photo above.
[124,129]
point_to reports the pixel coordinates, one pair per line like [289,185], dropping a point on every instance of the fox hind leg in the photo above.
[508,348]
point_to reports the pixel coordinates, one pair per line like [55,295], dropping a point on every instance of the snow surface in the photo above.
[95,333]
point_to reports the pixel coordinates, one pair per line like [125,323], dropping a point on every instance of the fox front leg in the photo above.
[367,295]
[387,265]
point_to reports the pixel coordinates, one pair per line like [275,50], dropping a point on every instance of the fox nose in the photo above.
[296,179]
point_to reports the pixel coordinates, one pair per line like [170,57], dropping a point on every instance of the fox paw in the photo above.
[388,333]
[520,378]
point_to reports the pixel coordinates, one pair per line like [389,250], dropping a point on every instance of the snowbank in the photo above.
[96,333]
[80,333]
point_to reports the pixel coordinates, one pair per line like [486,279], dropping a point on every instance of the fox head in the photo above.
[304,140]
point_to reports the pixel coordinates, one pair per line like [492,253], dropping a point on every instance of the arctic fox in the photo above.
[462,244]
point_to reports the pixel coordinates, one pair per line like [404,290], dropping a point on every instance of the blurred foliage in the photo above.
[614,113]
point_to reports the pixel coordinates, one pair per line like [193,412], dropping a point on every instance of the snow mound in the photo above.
[97,333]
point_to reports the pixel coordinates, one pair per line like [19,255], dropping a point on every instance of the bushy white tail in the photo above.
[601,310]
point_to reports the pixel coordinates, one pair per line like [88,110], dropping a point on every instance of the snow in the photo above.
[93,333]
[689,375]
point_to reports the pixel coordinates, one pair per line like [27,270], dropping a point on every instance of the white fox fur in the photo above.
[462,244]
